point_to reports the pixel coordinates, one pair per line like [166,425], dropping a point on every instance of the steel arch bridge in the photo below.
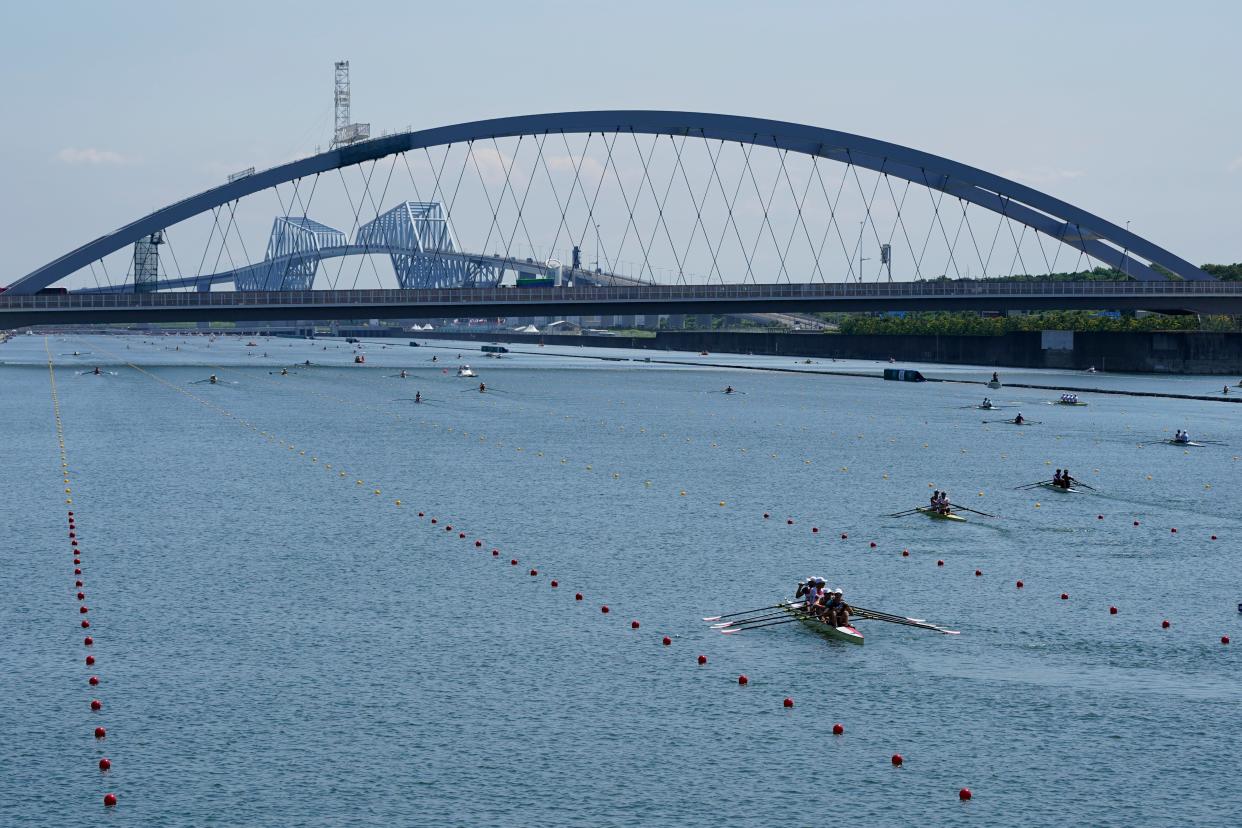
[1064,223]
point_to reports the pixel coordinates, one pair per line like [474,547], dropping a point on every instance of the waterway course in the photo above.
[278,640]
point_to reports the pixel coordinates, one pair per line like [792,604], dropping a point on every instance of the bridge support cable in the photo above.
[521,205]
[766,204]
[697,203]
[629,210]
[898,221]
[936,196]
[662,201]
[867,216]
[832,219]
[366,247]
[355,209]
[799,204]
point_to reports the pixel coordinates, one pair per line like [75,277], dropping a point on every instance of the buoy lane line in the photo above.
[533,572]
[79,583]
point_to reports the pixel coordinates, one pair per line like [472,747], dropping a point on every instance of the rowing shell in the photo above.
[827,630]
[994,384]
[1185,443]
[935,515]
[1062,489]
[1062,402]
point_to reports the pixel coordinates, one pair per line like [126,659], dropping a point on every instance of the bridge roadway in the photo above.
[1176,297]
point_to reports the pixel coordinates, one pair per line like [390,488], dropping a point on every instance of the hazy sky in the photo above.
[1128,109]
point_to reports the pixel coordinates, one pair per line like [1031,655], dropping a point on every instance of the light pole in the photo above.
[597,270]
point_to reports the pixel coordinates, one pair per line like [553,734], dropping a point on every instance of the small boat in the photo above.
[1062,489]
[994,384]
[986,407]
[360,360]
[1067,402]
[1185,443]
[466,371]
[252,344]
[827,630]
[936,515]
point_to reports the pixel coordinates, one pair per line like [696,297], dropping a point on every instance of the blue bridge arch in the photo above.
[1095,236]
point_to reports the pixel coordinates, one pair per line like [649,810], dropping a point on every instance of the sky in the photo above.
[1128,109]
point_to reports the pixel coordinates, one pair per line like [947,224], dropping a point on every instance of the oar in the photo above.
[875,615]
[903,514]
[744,621]
[742,612]
[1076,481]
[968,509]
[1012,422]
[732,630]
[1032,485]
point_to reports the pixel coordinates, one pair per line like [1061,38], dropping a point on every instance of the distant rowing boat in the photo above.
[994,384]
[849,634]
[1062,489]
[1066,402]
[1184,443]
[937,515]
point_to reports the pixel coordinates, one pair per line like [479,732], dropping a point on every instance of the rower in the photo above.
[308,362]
[433,358]
[836,611]
[212,379]
[1019,420]
[97,372]
[1067,480]
[995,378]
[944,503]
[728,389]
[482,388]
[1056,478]
[418,397]
[935,500]
[801,591]
[403,374]
[284,372]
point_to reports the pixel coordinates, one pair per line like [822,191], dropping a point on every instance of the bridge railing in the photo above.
[645,293]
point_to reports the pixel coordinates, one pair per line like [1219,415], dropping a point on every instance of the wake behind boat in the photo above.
[465,371]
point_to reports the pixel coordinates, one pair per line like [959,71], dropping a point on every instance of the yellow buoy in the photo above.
[683,492]
[722,503]
[398,502]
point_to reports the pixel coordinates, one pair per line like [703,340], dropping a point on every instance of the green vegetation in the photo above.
[972,324]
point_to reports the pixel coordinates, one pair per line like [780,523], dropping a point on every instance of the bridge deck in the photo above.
[1197,297]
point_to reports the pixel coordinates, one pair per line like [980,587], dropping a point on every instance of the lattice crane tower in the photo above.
[346,132]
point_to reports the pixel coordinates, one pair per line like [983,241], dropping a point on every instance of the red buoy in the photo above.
[96,704]
[109,799]
[604,609]
[577,596]
[939,563]
[85,624]
[90,660]
[1112,610]
[448,528]
[88,641]
[1173,530]
[978,573]
[77,583]
[77,572]
[666,641]
[964,794]
[633,625]
[73,534]
[420,514]
[1064,596]
[1213,537]
[71,514]
[461,534]
[100,733]
[1099,517]
[788,702]
[495,553]
[1019,585]
[433,520]
[81,596]
[1164,625]
[93,680]
[83,610]
[534,572]
[77,561]
[1224,639]
[702,659]
[478,543]
[789,521]
[897,760]
[838,729]
[1136,523]
[105,764]
[814,530]
[742,680]
[905,553]
[513,562]
[873,544]
[766,516]
[555,584]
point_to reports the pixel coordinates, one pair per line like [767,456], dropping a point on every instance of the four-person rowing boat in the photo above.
[936,514]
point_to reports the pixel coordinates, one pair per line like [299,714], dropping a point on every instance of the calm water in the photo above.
[278,644]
